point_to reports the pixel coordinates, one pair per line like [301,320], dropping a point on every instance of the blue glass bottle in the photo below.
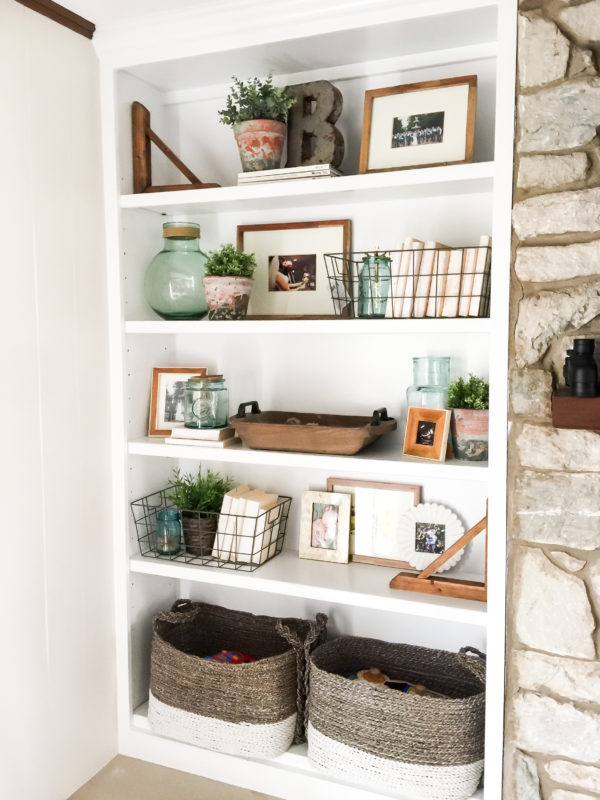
[168,532]
[374,286]
[173,281]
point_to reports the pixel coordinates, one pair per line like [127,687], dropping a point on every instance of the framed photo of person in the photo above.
[166,398]
[291,276]
[426,433]
[375,514]
[419,125]
[325,526]
[425,532]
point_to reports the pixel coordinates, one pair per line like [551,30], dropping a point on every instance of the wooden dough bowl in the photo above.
[333,434]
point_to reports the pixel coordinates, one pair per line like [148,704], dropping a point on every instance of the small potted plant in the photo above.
[257,111]
[199,499]
[469,401]
[228,282]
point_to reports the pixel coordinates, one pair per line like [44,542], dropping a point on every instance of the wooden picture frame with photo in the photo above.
[325,537]
[415,125]
[291,279]
[426,434]
[369,545]
[162,377]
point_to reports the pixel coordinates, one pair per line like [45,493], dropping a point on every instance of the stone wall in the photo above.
[553,692]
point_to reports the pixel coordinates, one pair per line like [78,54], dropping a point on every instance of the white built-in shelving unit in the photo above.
[179,65]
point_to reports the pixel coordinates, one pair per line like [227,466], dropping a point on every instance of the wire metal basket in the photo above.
[230,541]
[426,283]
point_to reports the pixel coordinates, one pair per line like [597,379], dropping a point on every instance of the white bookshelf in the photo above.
[179,65]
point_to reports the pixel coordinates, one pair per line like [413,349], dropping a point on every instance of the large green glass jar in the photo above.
[173,282]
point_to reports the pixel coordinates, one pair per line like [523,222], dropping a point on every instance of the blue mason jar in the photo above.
[374,286]
[168,532]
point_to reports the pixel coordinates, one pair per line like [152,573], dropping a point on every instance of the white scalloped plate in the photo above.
[433,514]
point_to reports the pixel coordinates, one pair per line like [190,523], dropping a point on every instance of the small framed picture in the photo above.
[376,511]
[291,276]
[166,398]
[425,532]
[427,433]
[419,125]
[325,526]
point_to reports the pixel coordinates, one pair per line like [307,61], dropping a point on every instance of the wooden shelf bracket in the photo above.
[143,136]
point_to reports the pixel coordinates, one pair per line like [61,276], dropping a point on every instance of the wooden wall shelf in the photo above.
[575,412]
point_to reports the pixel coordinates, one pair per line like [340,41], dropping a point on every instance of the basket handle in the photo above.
[243,406]
[380,415]
[179,612]
[475,665]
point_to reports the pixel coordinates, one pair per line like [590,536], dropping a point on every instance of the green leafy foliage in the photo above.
[229,261]
[474,393]
[200,492]
[256,99]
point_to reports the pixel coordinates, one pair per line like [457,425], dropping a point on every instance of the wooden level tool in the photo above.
[428,583]
[143,136]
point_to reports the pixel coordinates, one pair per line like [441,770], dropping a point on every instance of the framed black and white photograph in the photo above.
[167,398]
[419,125]
[325,526]
[291,277]
[426,434]
[425,532]
[375,513]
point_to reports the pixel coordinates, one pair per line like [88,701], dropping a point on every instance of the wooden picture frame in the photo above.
[162,377]
[416,125]
[291,254]
[325,526]
[426,433]
[367,544]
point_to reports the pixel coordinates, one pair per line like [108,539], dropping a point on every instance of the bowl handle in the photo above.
[380,415]
[243,406]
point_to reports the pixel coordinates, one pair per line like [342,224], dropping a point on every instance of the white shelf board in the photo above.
[312,326]
[362,585]
[450,180]
[301,776]
[383,457]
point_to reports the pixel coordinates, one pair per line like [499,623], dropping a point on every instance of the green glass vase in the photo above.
[173,281]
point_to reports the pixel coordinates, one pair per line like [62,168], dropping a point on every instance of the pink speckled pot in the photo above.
[227,296]
[469,429]
[260,143]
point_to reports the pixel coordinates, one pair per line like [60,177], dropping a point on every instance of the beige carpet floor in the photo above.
[130,779]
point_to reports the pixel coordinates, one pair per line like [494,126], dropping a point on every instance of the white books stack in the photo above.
[309,172]
[248,526]
[203,437]
[430,279]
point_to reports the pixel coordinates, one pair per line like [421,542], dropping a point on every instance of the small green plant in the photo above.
[200,492]
[229,261]
[256,99]
[474,393]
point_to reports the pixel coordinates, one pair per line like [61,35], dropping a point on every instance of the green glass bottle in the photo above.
[374,285]
[173,281]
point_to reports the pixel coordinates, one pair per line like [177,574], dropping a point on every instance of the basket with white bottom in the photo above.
[426,746]
[253,709]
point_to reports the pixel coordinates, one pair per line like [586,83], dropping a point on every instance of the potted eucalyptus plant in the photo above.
[469,401]
[199,499]
[228,282]
[257,111]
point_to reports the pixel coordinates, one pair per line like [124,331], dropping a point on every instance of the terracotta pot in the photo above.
[198,533]
[469,429]
[227,296]
[260,143]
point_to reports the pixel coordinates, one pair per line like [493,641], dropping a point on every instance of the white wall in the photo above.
[57,716]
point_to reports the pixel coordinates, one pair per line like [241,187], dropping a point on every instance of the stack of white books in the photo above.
[430,279]
[310,171]
[248,526]
[203,437]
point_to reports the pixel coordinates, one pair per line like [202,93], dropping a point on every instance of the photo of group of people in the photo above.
[293,273]
[429,538]
[418,129]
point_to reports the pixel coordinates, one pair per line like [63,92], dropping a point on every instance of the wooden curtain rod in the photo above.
[62,15]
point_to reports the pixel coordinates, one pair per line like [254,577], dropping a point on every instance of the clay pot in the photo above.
[227,296]
[198,533]
[260,143]
[469,428]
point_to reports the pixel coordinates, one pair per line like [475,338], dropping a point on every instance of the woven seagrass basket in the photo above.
[428,747]
[254,709]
